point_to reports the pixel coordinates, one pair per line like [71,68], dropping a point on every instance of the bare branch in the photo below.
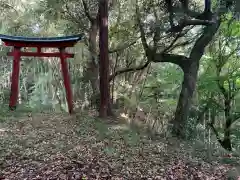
[156,57]
[157,30]
[202,113]
[86,11]
[206,37]
[197,22]
[143,37]
[172,43]
[189,22]
[221,87]
[190,13]
[74,19]
[141,67]
[4,6]
[215,132]
[122,47]
[171,58]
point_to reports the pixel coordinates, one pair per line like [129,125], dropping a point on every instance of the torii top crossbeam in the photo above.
[66,41]
[52,42]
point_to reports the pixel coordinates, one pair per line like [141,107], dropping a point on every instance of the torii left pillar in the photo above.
[15,78]
[55,42]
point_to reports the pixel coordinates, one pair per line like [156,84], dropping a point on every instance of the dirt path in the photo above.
[62,147]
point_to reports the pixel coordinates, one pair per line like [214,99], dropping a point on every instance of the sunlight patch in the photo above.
[2,131]
[119,127]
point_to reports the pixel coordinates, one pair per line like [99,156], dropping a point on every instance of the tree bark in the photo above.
[91,73]
[93,63]
[190,79]
[226,143]
[105,107]
[185,99]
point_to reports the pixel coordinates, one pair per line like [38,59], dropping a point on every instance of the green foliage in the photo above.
[153,91]
[190,129]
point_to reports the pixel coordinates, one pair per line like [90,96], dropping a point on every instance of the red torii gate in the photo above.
[18,42]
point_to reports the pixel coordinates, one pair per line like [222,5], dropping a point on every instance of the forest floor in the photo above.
[57,146]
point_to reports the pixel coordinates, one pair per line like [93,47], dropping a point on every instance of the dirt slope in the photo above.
[56,146]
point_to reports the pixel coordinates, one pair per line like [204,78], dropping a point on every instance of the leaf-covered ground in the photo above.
[60,147]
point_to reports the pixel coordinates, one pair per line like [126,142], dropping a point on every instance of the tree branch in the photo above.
[234,93]
[189,22]
[141,67]
[201,43]
[86,11]
[156,57]
[235,116]
[179,60]
[4,6]
[142,33]
[122,47]
[157,30]
[203,111]
[199,18]
[221,87]
[215,132]
[171,46]
[190,13]
[171,58]
[74,19]
[172,43]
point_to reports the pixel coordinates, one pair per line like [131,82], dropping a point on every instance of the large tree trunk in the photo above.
[105,108]
[185,98]
[93,63]
[226,143]
[91,73]
[190,70]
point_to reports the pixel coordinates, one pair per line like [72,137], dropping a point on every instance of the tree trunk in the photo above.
[226,143]
[93,63]
[105,107]
[190,70]
[185,98]
[91,73]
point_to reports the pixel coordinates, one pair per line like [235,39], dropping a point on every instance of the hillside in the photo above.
[57,146]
